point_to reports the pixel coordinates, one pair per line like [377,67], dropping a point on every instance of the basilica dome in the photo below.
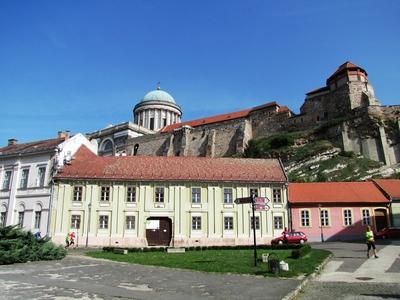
[158,95]
[156,110]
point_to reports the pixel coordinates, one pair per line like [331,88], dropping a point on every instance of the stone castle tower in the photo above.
[348,88]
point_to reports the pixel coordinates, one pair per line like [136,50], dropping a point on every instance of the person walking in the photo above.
[285,233]
[67,241]
[369,236]
[72,238]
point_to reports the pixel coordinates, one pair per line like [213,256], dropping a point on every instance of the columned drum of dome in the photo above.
[156,110]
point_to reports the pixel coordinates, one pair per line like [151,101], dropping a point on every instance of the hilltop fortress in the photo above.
[345,110]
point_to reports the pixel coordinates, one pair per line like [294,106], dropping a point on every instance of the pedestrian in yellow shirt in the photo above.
[369,236]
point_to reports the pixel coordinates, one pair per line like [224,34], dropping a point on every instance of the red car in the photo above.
[294,237]
[388,233]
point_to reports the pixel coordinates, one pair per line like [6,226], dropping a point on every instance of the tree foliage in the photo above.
[18,246]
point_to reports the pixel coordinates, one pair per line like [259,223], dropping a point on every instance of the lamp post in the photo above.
[320,222]
[253,204]
[88,226]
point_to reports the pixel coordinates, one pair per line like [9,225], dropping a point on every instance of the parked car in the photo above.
[388,233]
[293,237]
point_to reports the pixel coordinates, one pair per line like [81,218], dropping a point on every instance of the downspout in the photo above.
[289,210]
[50,207]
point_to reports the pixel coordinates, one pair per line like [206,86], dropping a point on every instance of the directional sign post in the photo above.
[243,200]
[253,204]
[259,204]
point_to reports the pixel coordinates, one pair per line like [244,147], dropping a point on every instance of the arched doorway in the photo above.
[158,231]
[380,219]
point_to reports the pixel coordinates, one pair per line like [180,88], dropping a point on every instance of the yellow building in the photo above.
[139,201]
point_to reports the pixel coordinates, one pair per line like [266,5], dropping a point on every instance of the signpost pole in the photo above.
[253,204]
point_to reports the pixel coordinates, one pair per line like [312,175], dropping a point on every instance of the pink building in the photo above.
[328,211]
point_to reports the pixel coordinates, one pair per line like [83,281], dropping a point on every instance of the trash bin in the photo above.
[273,263]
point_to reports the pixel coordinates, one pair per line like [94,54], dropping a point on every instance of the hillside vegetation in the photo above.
[307,159]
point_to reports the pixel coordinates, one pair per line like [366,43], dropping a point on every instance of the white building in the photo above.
[26,172]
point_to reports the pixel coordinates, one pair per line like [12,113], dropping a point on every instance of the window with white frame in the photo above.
[324,215]
[196,195]
[6,180]
[159,194]
[38,217]
[228,223]
[228,195]
[305,218]
[131,194]
[257,221]
[3,216]
[254,191]
[105,193]
[278,222]
[347,217]
[103,222]
[196,223]
[76,221]
[277,195]
[366,217]
[41,175]
[23,184]
[21,218]
[130,222]
[77,193]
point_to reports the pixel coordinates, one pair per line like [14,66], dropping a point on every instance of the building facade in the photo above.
[331,211]
[391,189]
[26,172]
[139,201]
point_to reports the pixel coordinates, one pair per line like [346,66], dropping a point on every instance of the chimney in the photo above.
[12,142]
[63,134]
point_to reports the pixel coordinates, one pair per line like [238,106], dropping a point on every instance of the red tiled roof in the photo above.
[348,65]
[32,147]
[87,165]
[390,187]
[217,118]
[325,88]
[283,109]
[335,192]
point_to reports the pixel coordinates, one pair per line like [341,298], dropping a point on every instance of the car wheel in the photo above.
[301,241]
[280,242]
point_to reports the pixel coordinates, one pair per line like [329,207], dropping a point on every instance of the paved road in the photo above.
[350,275]
[85,278]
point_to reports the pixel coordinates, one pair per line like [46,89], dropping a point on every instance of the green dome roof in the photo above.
[158,95]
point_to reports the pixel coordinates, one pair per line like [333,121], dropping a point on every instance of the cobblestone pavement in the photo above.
[80,277]
[350,275]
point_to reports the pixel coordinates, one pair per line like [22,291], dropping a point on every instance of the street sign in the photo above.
[261,200]
[261,207]
[243,200]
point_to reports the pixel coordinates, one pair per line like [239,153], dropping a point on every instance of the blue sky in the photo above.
[81,65]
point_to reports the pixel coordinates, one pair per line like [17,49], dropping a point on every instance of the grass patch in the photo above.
[221,261]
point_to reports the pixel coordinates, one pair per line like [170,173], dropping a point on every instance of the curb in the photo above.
[303,284]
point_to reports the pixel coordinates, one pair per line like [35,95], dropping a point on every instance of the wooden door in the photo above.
[380,219]
[158,231]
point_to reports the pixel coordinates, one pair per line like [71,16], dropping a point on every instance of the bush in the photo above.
[349,154]
[18,246]
[302,251]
